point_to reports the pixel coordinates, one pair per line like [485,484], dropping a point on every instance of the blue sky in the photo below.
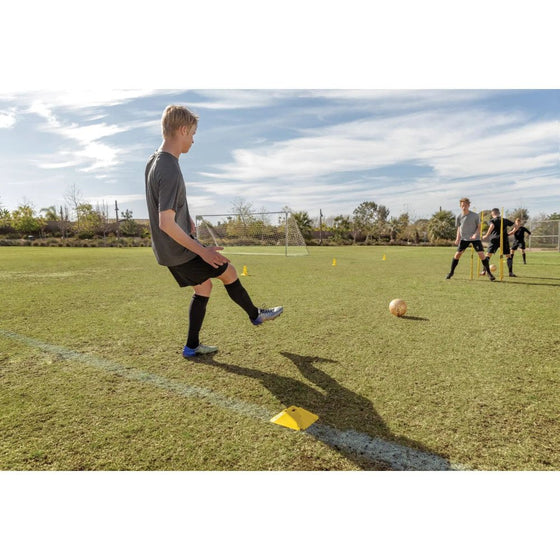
[413,150]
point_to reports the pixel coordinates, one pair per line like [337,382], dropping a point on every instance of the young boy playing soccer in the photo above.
[468,232]
[519,239]
[172,229]
[493,235]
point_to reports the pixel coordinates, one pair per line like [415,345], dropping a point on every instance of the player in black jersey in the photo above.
[519,239]
[493,235]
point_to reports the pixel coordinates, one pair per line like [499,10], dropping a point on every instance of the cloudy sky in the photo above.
[413,150]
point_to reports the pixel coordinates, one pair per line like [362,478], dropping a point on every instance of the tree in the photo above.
[74,198]
[522,213]
[5,221]
[50,214]
[304,223]
[442,226]
[24,220]
[243,208]
[128,226]
[89,221]
[370,220]
[398,225]
[341,228]
[365,216]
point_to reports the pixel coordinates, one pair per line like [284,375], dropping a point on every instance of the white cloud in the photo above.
[238,99]
[454,146]
[7,118]
[93,155]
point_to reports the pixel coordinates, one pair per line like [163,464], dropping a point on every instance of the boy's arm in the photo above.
[490,229]
[168,225]
[458,238]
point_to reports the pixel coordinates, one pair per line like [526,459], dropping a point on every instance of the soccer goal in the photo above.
[263,233]
[545,234]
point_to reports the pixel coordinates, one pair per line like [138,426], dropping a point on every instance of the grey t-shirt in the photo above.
[165,190]
[469,225]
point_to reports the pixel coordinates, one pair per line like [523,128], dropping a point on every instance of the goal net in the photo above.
[264,233]
[545,234]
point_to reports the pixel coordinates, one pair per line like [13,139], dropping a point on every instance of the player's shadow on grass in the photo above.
[337,407]
[522,281]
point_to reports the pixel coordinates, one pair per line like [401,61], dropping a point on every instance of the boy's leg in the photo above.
[510,264]
[524,258]
[486,264]
[239,295]
[197,312]
[454,263]
[237,292]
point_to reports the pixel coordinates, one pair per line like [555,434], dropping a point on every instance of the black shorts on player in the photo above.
[518,245]
[494,246]
[476,243]
[195,272]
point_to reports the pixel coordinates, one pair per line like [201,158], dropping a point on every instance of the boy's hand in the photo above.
[212,257]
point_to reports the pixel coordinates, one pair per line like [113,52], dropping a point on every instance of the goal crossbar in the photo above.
[256,233]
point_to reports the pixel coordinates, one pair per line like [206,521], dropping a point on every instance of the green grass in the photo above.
[470,373]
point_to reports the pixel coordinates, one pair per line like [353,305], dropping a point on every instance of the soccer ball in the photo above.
[493,268]
[398,307]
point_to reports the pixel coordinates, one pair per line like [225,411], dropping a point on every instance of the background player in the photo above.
[519,239]
[493,235]
[468,232]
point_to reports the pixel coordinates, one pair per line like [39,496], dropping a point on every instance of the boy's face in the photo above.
[186,135]
[464,206]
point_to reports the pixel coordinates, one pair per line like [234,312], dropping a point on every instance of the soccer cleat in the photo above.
[449,276]
[483,273]
[512,275]
[198,351]
[491,276]
[267,315]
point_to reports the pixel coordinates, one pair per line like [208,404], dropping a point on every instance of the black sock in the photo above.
[524,259]
[454,264]
[486,265]
[510,265]
[240,296]
[197,311]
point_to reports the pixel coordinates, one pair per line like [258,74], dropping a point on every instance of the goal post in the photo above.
[545,234]
[256,233]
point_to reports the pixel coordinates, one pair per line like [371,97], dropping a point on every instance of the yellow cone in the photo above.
[244,273]
[295,418]
[384,257]
[334,262]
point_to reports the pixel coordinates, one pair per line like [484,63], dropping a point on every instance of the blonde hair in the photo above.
[465,200]
[174,117]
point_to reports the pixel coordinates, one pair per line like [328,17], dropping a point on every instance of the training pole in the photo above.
[502,245]
[472,262]
[478,260]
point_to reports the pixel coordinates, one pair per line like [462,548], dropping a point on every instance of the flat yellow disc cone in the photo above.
[295,418]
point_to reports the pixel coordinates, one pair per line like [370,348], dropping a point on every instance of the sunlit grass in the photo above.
[470,373]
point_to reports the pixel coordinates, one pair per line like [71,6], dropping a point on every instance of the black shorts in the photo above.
[494,246]
[476,243]
[518,245]
[195,272]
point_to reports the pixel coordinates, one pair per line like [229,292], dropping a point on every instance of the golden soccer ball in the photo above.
[398,307]
[493,268]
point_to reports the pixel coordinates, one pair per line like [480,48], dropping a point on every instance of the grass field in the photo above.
[91,375]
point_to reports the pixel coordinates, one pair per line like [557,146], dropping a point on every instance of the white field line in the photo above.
[398,457]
